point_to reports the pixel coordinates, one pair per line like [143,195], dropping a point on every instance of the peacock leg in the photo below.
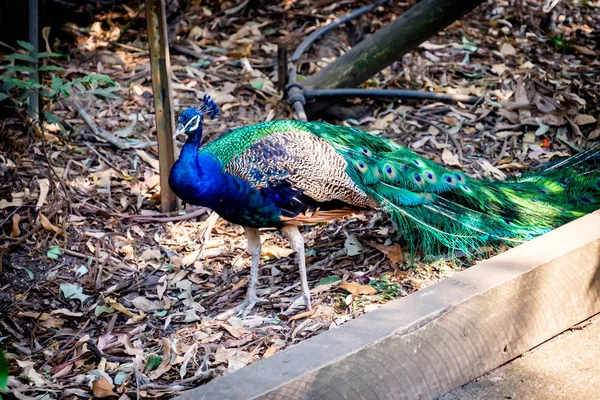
[297,243]
[253,236]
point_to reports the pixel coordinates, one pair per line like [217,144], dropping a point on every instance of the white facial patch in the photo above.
[192,124]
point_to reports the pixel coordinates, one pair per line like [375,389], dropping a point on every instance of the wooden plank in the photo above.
[161,86]
[439,338]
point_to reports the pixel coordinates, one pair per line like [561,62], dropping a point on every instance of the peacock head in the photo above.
[190,120]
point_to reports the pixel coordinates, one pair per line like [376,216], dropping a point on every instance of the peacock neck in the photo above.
[196,177]
[189,152]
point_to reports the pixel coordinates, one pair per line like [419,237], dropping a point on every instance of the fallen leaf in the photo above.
[450,120]
[48,225]
[129,348]
[357,289]
[44,188]
[71,291]
[270,351]
[352,245]
[584,119]
[275,251]
[150,254]
[393,252]
[236,332]
[153,162]
[450,159]
[584,50]
[304,314]
[15,232]
[102,388]
[508,49]
[328,280]
[499,69]
[143,304]
[490,169]
[241,283]
[189,355]
[505,134]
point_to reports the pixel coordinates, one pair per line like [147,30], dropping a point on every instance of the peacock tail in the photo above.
[284,171]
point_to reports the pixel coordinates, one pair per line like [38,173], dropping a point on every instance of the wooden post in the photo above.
[161,86]
[388,44]
[282,66]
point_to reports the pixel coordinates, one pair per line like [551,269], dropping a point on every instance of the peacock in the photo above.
[285,173]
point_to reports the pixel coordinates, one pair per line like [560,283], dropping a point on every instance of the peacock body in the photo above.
[286,173]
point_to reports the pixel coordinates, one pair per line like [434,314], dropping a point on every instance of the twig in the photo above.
[182,384]
[502,151]
[64,346]
[100,354]
[121,144]
[114,261]
[148,218]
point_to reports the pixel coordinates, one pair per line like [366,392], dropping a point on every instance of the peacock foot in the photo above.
[242,309]
[301,302]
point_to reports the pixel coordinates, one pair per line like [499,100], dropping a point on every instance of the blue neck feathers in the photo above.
[196,177]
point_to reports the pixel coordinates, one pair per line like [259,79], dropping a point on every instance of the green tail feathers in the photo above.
[437,209]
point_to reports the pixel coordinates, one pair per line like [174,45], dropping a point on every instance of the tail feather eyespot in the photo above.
[361,166]
[449,179]
[430,176]
[390,171]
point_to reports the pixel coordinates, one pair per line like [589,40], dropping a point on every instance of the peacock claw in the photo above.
[300,302]
[242,309]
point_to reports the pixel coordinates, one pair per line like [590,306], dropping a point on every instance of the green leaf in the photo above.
[20,68]
[46,54]
[160,313]
[328,280]
[26,45]
[3,372]
[19,56]
[57,83]
[71,291]
[99,310]
[52,118]
[467,45]
[51,68]
[257,83]
[3,96]
[54,252]
[153,362]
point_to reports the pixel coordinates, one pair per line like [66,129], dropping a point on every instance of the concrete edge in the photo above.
[439,338]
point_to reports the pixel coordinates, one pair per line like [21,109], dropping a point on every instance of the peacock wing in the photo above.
[300,172]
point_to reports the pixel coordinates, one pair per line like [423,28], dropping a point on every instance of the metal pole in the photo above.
[161,86]
[34,101]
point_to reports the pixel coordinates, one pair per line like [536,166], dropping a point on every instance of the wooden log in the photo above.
[161,86]
[388,44]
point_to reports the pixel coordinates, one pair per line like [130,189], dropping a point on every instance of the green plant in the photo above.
[17,86]
[386,289]
[3,372]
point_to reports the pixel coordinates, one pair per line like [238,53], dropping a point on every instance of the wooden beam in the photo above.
[161,86]
[388,44]
[434,340]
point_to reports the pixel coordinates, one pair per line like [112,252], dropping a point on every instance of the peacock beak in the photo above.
[178,130]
